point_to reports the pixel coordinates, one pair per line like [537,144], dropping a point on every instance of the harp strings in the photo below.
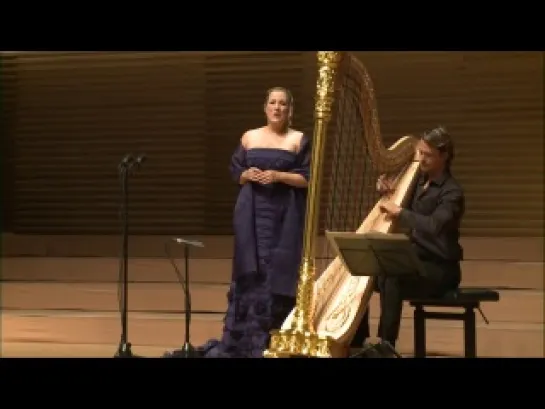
[351,178]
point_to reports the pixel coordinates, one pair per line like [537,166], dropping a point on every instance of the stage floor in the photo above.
[68,307]
[77,333]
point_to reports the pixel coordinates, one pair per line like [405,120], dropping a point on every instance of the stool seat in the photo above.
[460,297]
[467,298]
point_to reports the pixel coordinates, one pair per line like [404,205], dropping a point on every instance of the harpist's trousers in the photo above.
[440,278]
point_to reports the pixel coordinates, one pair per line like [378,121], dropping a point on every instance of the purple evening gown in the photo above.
[268,227]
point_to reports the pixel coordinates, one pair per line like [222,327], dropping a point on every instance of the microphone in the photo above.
[129,161]
[126,161]
[191,243]
[140,159]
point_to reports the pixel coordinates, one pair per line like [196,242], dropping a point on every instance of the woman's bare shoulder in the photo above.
[296,138]
[250,135]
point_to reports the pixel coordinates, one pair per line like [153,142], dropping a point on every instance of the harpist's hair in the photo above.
[440,139]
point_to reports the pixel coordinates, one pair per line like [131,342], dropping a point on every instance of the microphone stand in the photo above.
[187,350]
[124,349]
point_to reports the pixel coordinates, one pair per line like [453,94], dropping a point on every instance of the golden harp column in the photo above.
[301,339]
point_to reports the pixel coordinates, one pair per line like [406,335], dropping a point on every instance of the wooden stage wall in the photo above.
[67,119]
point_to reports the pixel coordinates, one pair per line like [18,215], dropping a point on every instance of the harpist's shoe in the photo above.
[368,350]
[386,350]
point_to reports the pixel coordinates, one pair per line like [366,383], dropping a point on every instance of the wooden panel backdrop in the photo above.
[492,102]
[74,115]
[69,118]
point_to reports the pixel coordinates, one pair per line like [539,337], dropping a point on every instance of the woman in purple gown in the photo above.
[271,165]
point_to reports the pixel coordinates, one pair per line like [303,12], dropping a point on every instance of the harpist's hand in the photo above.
[385,186]
[390,208]
[266,177]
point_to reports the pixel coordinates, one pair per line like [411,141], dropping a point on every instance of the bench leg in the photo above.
[470,333]
[419,333]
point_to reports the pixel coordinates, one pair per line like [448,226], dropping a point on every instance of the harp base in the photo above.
[301,340]
[296,344]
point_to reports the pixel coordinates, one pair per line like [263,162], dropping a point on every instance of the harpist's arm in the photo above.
[449,209]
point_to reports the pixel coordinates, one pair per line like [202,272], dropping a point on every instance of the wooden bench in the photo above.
[469,299]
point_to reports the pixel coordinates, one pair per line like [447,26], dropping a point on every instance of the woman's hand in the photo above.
[250,175]
[266,177]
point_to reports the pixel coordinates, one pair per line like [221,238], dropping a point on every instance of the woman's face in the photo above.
[277,108]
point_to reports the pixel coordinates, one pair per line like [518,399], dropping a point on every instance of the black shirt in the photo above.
[434,216]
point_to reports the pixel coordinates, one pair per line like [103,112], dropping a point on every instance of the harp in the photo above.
[348,156]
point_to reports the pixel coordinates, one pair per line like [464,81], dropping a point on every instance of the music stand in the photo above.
[376,254]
